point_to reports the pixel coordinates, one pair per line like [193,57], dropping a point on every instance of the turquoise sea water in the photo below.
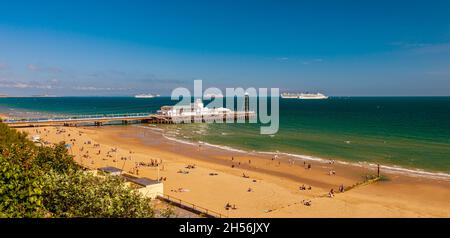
[411,132]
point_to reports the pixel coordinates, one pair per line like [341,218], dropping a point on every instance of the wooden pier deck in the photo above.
[127,118]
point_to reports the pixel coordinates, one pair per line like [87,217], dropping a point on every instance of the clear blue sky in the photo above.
[128,47]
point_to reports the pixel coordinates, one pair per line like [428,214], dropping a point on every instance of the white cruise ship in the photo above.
[146,96]
[213,95]
[304,95]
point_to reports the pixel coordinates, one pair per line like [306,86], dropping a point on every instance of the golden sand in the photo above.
[270,188]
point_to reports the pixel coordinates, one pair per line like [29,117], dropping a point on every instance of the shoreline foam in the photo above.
[393,169]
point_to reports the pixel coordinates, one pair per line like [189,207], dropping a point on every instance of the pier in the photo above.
[194,113]
[127,118]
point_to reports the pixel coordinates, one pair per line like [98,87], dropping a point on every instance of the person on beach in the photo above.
[306,202]
[341,188]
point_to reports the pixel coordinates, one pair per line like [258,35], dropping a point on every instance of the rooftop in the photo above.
[140,181]
[110,169]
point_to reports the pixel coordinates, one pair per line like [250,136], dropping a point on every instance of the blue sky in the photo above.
[129,47]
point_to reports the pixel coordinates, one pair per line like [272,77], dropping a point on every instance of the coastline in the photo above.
[276,190]
[419,147]
[391,169]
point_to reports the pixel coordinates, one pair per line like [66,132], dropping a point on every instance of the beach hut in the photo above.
[148,187]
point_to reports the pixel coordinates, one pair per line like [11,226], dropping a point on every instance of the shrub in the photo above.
[83,195]
[46,182]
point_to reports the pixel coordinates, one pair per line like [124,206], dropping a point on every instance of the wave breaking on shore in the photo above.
[393,169]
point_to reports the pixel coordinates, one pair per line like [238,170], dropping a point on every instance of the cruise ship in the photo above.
[42,95]
[304,95]
[146,96]
[213,95]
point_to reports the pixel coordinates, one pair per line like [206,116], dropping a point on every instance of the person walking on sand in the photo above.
[331,193]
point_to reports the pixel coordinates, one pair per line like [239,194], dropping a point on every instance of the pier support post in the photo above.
[378,170]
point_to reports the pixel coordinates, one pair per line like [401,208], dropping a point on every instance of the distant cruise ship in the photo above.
[213,95]
[304,95]
[42,95]
[146,95]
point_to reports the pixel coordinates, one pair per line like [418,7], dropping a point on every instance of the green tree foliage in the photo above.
[83,195]
[20,191]
[40,181]
[168,212]
[55,159]
[9,137]
[16,147]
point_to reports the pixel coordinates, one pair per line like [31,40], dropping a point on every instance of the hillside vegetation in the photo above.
[38,181]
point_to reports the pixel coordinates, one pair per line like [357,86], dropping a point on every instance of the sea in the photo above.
[410,133]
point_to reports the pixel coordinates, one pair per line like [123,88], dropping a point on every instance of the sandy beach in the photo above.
[257,185]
